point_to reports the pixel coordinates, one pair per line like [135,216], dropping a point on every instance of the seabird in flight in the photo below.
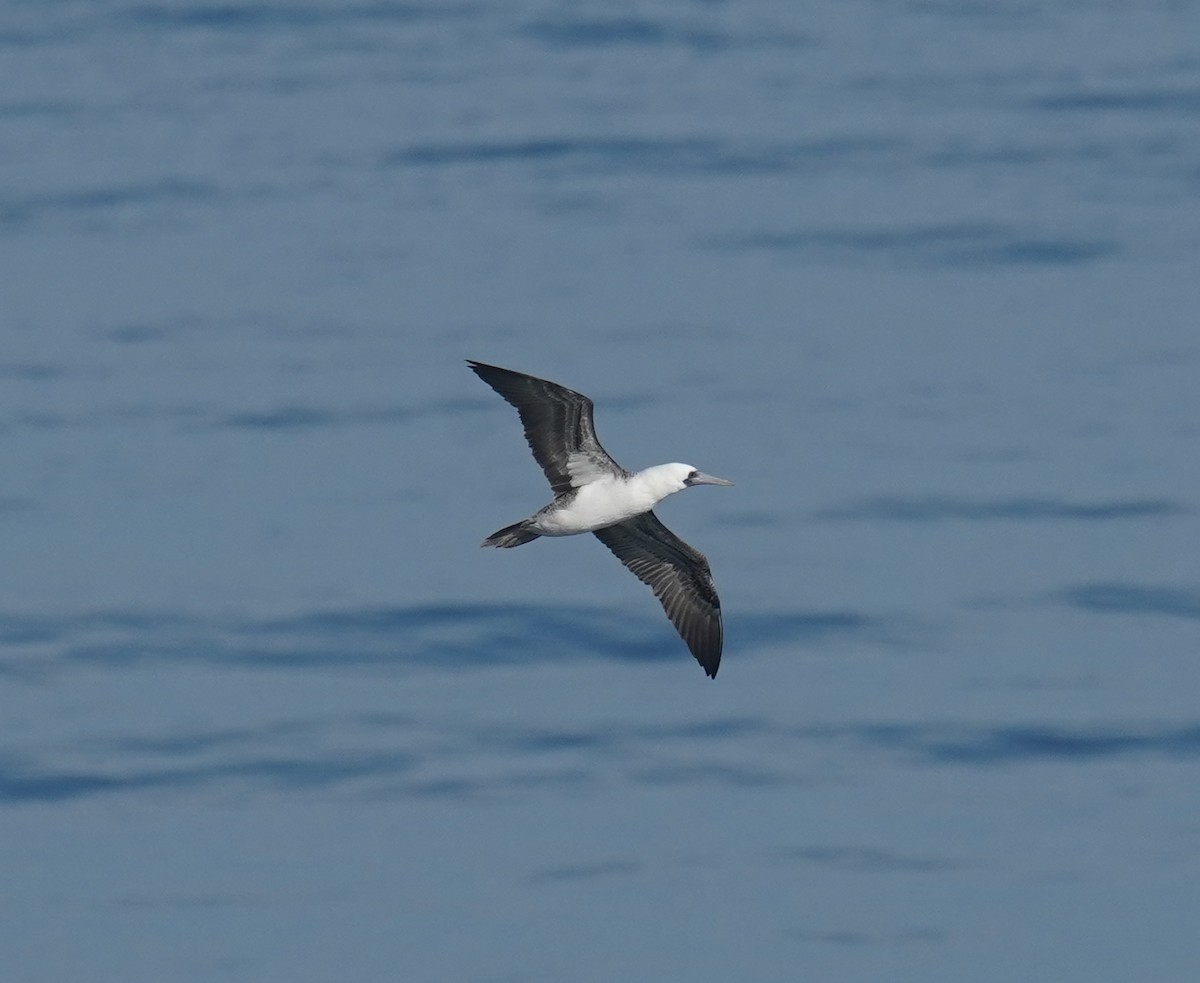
[592,493]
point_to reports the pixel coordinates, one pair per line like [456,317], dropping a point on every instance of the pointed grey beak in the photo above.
[700,478]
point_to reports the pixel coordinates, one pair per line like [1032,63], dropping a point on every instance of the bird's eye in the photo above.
[691,474]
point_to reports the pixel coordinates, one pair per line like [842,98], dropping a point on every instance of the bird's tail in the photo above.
[517,534]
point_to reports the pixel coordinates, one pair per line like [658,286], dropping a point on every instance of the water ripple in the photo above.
[25,781]
[224,16]
[105,201]
[1174,602]
[452,637]
[940,508]
[444,757]
[1182,100]
[297,417]
[867,859]
[590,33]
[655,156]
[984,745]
[957,244]
[566,32]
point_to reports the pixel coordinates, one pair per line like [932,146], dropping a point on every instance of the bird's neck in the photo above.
[656,483]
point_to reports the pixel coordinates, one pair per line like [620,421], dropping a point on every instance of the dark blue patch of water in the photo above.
[606,32]
[316,417]
[949,245]
[1172,602]
[1186,101]
[105,199]
[970,745]
[233,17]
[454,637]
[940,508]
[867,859]
[22,781]
[30,371]
[655,157]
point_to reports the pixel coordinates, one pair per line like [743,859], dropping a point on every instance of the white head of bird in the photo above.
[667,479]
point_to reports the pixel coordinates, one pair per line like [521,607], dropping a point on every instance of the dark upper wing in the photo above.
[558,426]
[679,577]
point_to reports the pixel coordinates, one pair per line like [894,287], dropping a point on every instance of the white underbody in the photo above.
[606,501]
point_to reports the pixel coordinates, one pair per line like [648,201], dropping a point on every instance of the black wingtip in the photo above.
[709,661]
[477,366]
[496,377]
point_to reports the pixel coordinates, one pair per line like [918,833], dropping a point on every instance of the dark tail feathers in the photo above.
[515,535]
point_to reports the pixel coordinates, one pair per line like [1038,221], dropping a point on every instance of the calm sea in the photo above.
[921,277]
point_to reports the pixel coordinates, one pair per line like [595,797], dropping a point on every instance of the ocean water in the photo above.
[920,277]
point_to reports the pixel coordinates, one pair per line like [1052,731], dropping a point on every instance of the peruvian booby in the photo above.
[592,493]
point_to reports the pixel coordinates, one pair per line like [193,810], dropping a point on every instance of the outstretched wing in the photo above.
[679,577]
[558,425]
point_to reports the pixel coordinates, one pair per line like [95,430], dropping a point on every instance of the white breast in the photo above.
[598,504]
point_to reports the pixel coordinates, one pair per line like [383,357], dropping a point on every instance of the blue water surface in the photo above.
[919,277]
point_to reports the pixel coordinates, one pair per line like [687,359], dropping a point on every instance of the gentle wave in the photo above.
[965,245]
[382,755]
[424,637]
[653,156]
[1136,599]
[941,508]
[107,201]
